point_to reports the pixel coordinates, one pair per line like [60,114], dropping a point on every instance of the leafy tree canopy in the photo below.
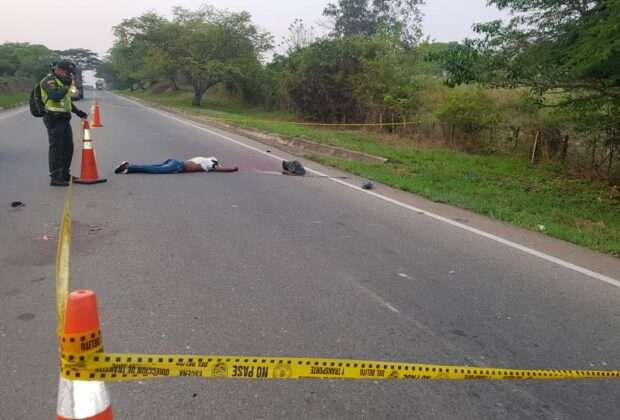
[550,44]
[83,58]
[368,17]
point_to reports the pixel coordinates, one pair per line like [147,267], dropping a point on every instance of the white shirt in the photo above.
[207,164]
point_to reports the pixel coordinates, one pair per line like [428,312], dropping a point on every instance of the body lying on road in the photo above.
[175,166]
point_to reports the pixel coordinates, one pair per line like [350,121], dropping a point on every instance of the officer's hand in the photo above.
[83,115]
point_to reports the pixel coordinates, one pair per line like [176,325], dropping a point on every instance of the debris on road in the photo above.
[293,168]
[368,186]
[93,229]
[17,205]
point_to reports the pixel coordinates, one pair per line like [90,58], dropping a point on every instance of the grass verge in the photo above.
[542,198]
[8,100]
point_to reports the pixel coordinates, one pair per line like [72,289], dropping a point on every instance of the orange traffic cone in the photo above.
[82,336]
[96,115]
[89,173]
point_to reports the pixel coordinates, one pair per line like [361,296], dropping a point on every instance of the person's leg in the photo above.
[55,134]
[170,166]
[67,150]
[146,169]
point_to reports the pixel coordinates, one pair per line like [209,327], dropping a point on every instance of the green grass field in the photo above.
[8,100]
[541,198]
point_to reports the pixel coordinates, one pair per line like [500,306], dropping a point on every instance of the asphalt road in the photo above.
[259,264]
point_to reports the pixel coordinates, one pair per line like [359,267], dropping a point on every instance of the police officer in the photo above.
[56,92]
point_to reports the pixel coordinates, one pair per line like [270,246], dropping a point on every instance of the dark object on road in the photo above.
[293,167]
[223,170]
[368,186]
[59,183]
[17,204]
[121,168]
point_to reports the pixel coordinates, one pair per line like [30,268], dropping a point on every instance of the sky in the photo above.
[88,24]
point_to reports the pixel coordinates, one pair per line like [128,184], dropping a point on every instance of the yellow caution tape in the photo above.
[82,357]
[111,367]
[63,256]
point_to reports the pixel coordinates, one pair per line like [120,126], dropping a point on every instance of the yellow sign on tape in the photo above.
[82,356]
[79,344]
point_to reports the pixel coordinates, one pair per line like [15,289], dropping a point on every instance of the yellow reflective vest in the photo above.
[52,87]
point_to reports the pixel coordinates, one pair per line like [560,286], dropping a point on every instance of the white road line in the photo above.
[506,242]
[378,298]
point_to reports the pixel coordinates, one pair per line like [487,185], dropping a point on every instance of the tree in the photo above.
[351,17]
[106,71]
[299,36]
[128,62]
[468,110]
[349,79]
[567,52]
[217,47]
[462,63]
[556,44]
[83,58]
[8,60]
[131,48]
[206,47]
[368,17]
[28,60]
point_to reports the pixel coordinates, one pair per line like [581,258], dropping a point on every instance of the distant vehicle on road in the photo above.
[99,84]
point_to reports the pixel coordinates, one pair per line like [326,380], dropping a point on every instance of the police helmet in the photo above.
[66,65]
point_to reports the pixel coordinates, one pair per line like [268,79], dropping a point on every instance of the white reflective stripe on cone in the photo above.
[87,134]
[81,399]
[87,145]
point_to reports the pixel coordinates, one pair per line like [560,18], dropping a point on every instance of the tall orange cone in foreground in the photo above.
[82,336]
[89,174]
[96,111]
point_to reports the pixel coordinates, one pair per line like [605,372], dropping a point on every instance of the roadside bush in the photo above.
[353,79]
[465,114]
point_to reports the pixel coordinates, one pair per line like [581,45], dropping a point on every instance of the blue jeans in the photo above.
[170,166]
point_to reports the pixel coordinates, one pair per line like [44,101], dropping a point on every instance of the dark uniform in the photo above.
[56,95]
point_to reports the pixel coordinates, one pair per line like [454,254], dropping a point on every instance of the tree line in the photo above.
[545,84]
[23,64]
